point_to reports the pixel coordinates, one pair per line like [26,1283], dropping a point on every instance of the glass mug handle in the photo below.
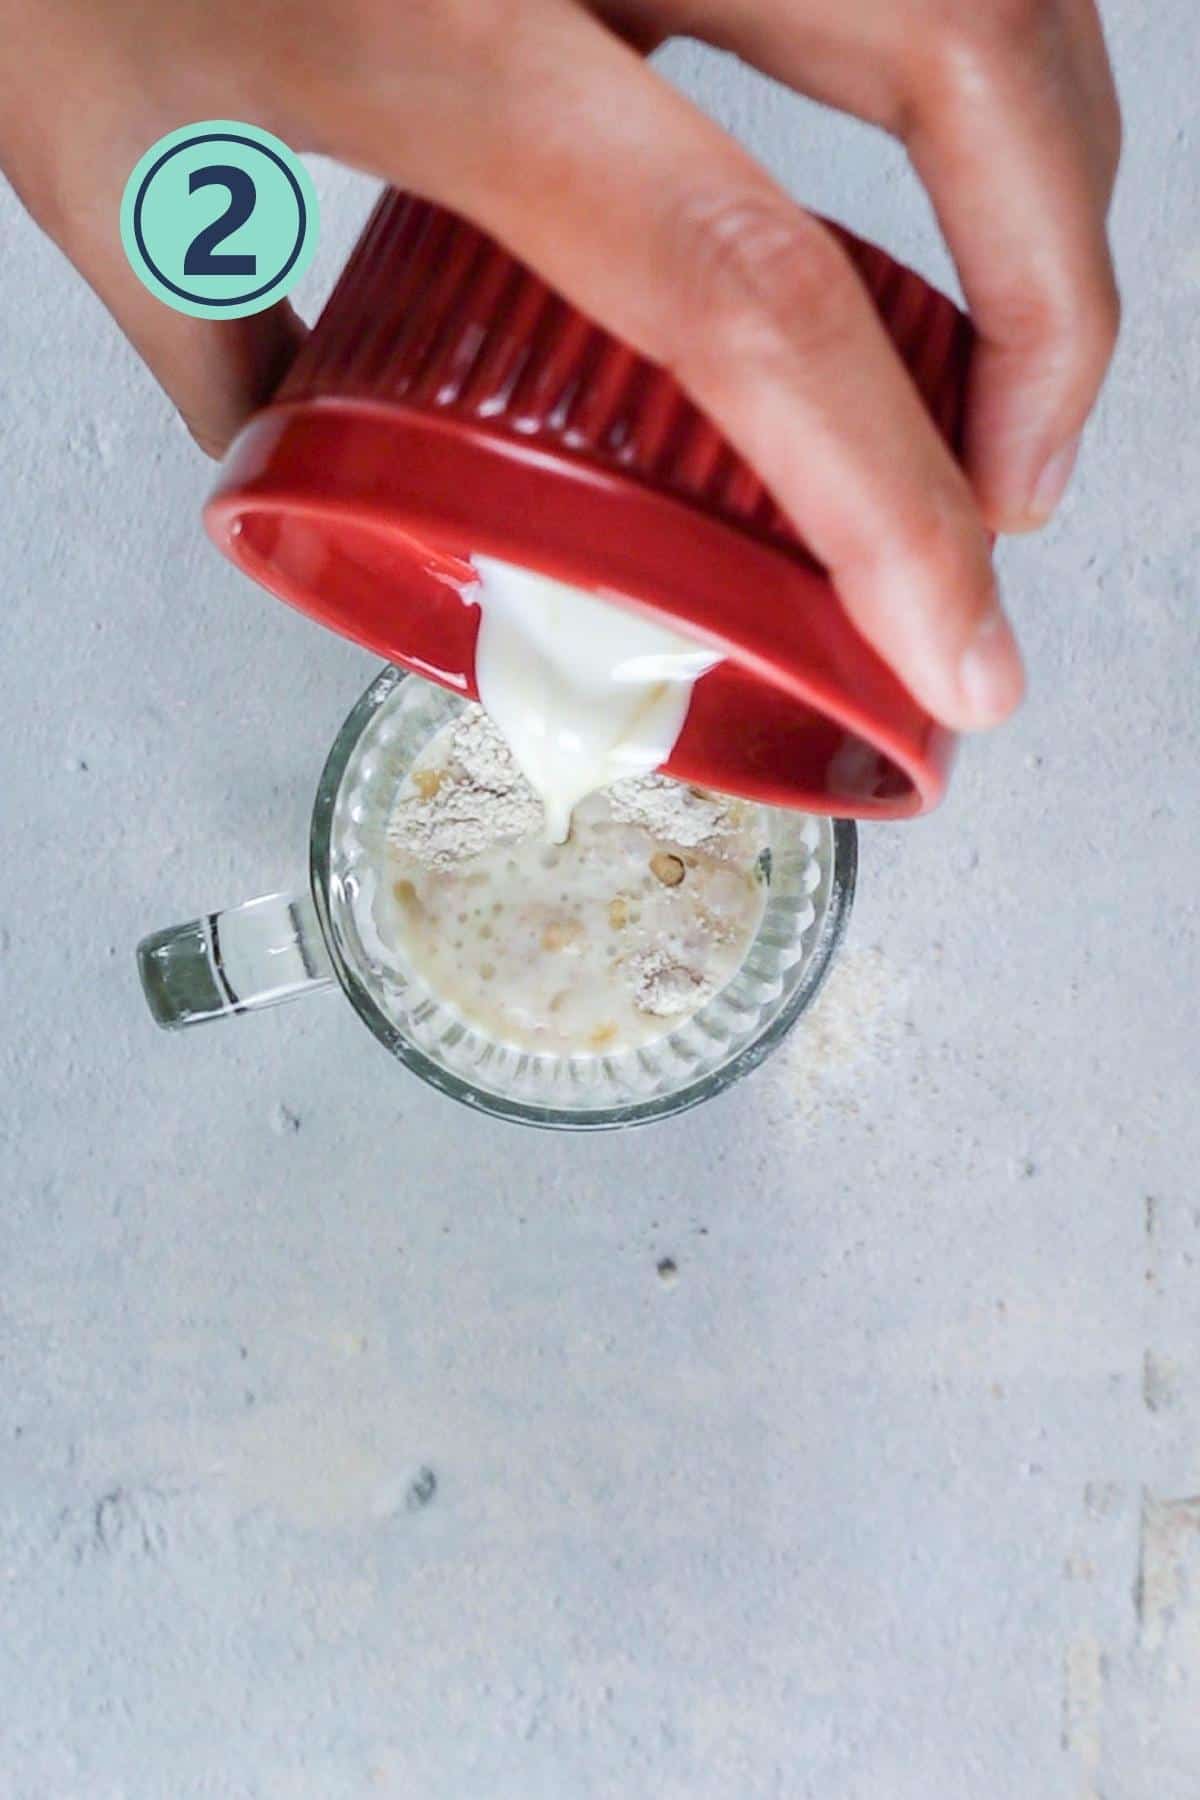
[233,962]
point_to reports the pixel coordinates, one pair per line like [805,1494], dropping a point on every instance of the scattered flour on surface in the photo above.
[857,1020]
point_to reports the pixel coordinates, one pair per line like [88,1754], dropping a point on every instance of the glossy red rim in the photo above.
[449,403]
[364,515]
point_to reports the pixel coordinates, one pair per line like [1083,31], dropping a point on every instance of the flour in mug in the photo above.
[601,943]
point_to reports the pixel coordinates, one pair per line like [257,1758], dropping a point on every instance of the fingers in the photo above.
[217,371]
[1010,116]
[1102,108]
[650,218]
[1017,146]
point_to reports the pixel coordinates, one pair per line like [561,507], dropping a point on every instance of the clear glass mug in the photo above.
[280,947]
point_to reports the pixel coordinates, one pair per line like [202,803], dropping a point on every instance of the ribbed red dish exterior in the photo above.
[449,405]
[430,314]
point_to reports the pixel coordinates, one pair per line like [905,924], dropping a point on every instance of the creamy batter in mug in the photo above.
[281,947]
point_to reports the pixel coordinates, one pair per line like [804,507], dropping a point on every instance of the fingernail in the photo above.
[1051,484]
[990,676]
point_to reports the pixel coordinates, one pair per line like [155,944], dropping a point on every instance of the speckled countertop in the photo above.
[840,1440]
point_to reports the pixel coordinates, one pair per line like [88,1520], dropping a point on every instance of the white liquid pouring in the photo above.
[586,692]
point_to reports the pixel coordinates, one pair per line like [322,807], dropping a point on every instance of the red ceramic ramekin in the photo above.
[448,403]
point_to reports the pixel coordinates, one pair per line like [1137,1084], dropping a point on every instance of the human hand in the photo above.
[541,122]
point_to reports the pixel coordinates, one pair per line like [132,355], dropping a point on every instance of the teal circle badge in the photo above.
[219,219]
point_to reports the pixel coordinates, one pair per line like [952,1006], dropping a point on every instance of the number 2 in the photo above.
[242,196]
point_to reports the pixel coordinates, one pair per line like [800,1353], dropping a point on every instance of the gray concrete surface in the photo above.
[350,1445]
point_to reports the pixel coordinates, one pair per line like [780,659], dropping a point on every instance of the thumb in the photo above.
[217,371]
